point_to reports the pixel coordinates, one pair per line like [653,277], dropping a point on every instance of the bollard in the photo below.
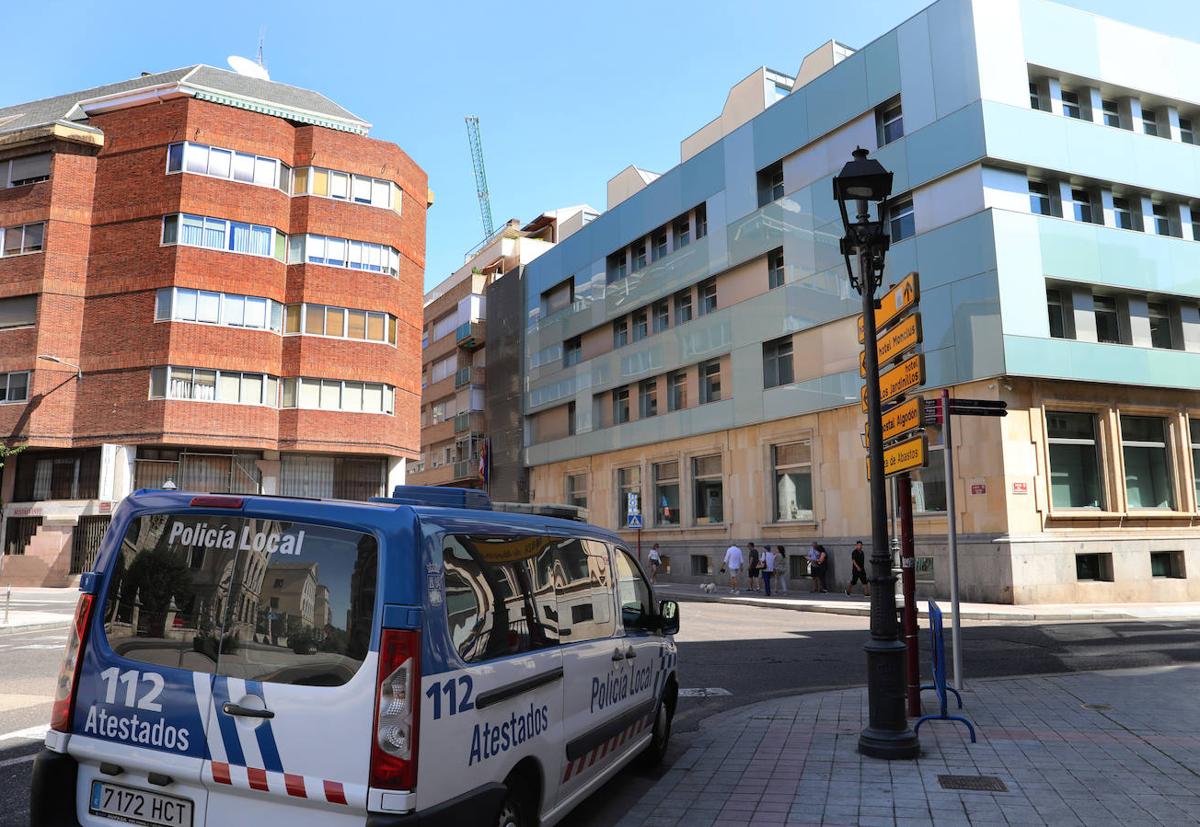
[7,603]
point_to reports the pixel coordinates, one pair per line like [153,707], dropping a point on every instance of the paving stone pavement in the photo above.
[1097,748]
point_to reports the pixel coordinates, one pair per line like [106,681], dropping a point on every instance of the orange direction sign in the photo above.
[904,456]
[908,374]
[892,343]
[900,298]
[901,419]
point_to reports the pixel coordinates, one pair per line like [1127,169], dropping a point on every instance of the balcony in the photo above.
[469,335]
[465,468]
[466,421]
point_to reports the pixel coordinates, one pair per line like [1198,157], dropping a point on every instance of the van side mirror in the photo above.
[668,613]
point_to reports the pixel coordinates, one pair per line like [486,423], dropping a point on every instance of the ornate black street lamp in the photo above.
[887,734]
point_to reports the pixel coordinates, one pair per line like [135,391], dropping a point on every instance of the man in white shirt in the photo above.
[733,562]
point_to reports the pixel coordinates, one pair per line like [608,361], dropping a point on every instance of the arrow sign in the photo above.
[908,374]
[893,343]
[904,295]
[901,419]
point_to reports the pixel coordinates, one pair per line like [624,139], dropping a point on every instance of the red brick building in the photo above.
[207,279]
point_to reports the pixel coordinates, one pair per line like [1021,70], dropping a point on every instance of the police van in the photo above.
[260,660]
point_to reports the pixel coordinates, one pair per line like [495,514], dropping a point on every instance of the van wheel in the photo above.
[518,809]
[656,750]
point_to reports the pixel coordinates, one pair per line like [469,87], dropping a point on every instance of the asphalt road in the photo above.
[753,653]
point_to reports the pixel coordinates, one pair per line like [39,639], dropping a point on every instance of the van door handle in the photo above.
[631,652]
[246,712]
[618,654]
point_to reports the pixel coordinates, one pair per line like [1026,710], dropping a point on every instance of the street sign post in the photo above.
[905,455]
[901,419]
[900,298]
[905,376]
[633,517]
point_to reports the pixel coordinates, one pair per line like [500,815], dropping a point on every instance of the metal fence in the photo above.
[85,541]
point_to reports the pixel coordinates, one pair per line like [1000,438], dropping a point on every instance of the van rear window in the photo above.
[266,600]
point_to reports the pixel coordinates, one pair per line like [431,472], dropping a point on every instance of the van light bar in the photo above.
[216,502]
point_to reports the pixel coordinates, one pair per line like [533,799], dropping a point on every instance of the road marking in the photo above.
[33,733]
[707,692]
[22,760]
[33,646]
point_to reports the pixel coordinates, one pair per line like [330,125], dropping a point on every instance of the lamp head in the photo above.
[862,179]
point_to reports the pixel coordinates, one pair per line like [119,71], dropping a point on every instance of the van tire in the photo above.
[660,735]
[519,808]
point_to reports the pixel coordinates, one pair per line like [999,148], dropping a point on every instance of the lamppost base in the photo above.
[890,745]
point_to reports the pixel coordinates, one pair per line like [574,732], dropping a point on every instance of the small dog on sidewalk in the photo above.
[708,588]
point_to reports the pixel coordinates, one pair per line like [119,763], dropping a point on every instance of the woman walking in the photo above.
[781,569]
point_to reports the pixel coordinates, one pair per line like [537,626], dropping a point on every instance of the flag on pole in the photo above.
[484,469]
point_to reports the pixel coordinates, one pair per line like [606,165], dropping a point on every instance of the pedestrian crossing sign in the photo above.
[635,521]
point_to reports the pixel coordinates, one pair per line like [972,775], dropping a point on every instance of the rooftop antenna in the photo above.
[262,38]
[246,66]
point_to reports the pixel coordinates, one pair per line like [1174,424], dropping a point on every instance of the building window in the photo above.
[1081,205]
[18,311]
[629,481]
[1194,427]
[681,232]
[620,406]
[618,266]
[14,386]
[56,475]
[219,234]
[639,254]
[700,565]
[1162,219]
[683,307]
[891,122]
[658,241]
[1123,213]
[666,493]
[1149,122]
[1094,567]
[901,222]
[345,186]
[200,159]
[1035,98]
[559,297]
[620,333]
[1108,325]
[677,391]
[793,481]
[710,381]
[340,323]
[1112,114]
[708,488]
[577,490]
[28,169]
[336,395]
[343,252]
[1160,326]
[1070,104]
[701,221]
[661,316]
[1074,460]
[770,184]
[929,483]
[572,351]
[25,238]
[775,268]
[1039,198]
[708,296]
[571,426]
[647,398]
[777,362]
[641,325]
[1147,463]
[1167,564]
[1186,134]
[1058,321]
[182,304]
[199,384]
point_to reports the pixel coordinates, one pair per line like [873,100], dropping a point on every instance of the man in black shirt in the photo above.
[858,569]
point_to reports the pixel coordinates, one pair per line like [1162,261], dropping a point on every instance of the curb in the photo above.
[34,627]
[864,610]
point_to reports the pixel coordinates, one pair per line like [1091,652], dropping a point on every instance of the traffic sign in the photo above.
[904,295]
[901,419]
[907,375]
[904,456]
[965,407]
[632,503]
[894,343]
[635,521]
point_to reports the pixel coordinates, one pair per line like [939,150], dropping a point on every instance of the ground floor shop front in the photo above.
[1083,493]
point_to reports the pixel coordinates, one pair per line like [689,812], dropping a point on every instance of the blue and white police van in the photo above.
[260,660]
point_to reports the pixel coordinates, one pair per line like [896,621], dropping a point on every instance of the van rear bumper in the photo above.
[52,794]
[478,806]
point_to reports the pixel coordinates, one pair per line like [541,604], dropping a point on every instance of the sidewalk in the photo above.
[839,603]
[29,609]
[1096,748]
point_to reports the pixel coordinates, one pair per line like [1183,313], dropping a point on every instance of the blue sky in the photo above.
[567,94]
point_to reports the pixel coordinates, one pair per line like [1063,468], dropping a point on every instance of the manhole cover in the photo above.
[1098,707]
[977,783]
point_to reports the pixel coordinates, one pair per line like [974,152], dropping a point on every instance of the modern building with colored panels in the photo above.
[208,280]
[456,412]
[1047,190]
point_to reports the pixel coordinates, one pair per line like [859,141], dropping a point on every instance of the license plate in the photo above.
[134,806]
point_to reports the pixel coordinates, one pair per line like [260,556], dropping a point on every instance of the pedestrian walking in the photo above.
[655,563]
[768,569]
[754,567]
[733,562]
[814,556]
[781,569]
[858,570]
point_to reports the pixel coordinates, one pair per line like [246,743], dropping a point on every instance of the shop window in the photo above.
[629,481]
[1148,477]
[1074,460]
[793,488]
[708,488]
[666,493]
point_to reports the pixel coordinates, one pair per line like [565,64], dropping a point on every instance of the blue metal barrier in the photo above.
[938,657]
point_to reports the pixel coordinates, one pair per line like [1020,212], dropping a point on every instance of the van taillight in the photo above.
[68,674]
[397,711]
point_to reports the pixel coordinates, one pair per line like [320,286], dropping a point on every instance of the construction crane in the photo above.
[481,187]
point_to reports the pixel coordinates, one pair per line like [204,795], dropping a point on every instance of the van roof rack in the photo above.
[562,512]
[472,498]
